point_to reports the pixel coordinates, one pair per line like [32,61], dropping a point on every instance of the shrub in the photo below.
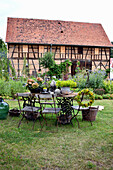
[10,88]
[80,79]
[98,97]
[99,91]
[66,83]
[108,86]
[95,81]
[108,96]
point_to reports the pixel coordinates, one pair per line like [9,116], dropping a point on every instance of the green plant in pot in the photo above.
[65,85]
[65,68]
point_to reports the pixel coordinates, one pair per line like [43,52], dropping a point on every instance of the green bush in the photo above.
[10,88]
[95,81]
[108,86]
[99,91]
[66,83]
[108,96]
[80,79]
[98,97]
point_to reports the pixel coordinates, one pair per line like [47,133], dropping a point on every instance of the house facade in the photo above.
[76,41]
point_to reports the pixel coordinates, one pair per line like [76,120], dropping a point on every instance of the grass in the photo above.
[88,147]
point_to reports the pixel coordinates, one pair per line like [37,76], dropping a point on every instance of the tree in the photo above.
[47,60]
[5,64]
[2,45]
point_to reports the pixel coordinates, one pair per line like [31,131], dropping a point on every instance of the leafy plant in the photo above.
[55,70]
[99,91]
[96,79]
[77,67]
[47,60]
[97,96]
[108,86]
[5,64]
[64,66]
[11,87]
[2,45]
[66,83]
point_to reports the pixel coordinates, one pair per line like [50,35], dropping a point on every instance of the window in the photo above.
[80,50]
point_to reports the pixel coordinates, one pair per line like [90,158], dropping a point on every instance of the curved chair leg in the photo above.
[20,121]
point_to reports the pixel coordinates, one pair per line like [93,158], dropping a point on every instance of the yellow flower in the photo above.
[86,92]
[86,105]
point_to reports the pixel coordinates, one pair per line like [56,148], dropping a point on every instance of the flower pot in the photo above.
[4,108]
[14,112]
[89,114]
[37,90]
[65,90]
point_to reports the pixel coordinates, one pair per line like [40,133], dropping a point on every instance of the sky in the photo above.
[91,11]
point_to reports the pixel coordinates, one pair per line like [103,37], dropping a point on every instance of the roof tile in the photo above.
[38,31]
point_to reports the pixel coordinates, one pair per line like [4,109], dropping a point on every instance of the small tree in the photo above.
[47,60]
[2,46]
[5,64]
[64,66]
[25,70]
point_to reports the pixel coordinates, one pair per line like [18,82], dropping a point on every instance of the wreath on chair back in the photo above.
[85,92]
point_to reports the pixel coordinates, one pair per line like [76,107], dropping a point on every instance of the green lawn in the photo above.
[88,147]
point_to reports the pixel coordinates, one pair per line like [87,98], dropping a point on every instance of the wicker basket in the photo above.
[89,114]
[14,112]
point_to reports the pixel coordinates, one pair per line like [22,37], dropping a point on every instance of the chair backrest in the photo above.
[26,97]
[46,97]
[23,94]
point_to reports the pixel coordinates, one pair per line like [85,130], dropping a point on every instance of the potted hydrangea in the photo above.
[33,86]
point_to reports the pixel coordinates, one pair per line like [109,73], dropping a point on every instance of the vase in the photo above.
[4,109]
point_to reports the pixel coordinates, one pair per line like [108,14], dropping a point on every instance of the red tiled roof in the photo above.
[37,31]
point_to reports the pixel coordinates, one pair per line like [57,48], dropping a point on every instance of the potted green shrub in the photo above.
[65,68]
[65,85]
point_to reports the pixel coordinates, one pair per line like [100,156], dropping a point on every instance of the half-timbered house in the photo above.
[31,38]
